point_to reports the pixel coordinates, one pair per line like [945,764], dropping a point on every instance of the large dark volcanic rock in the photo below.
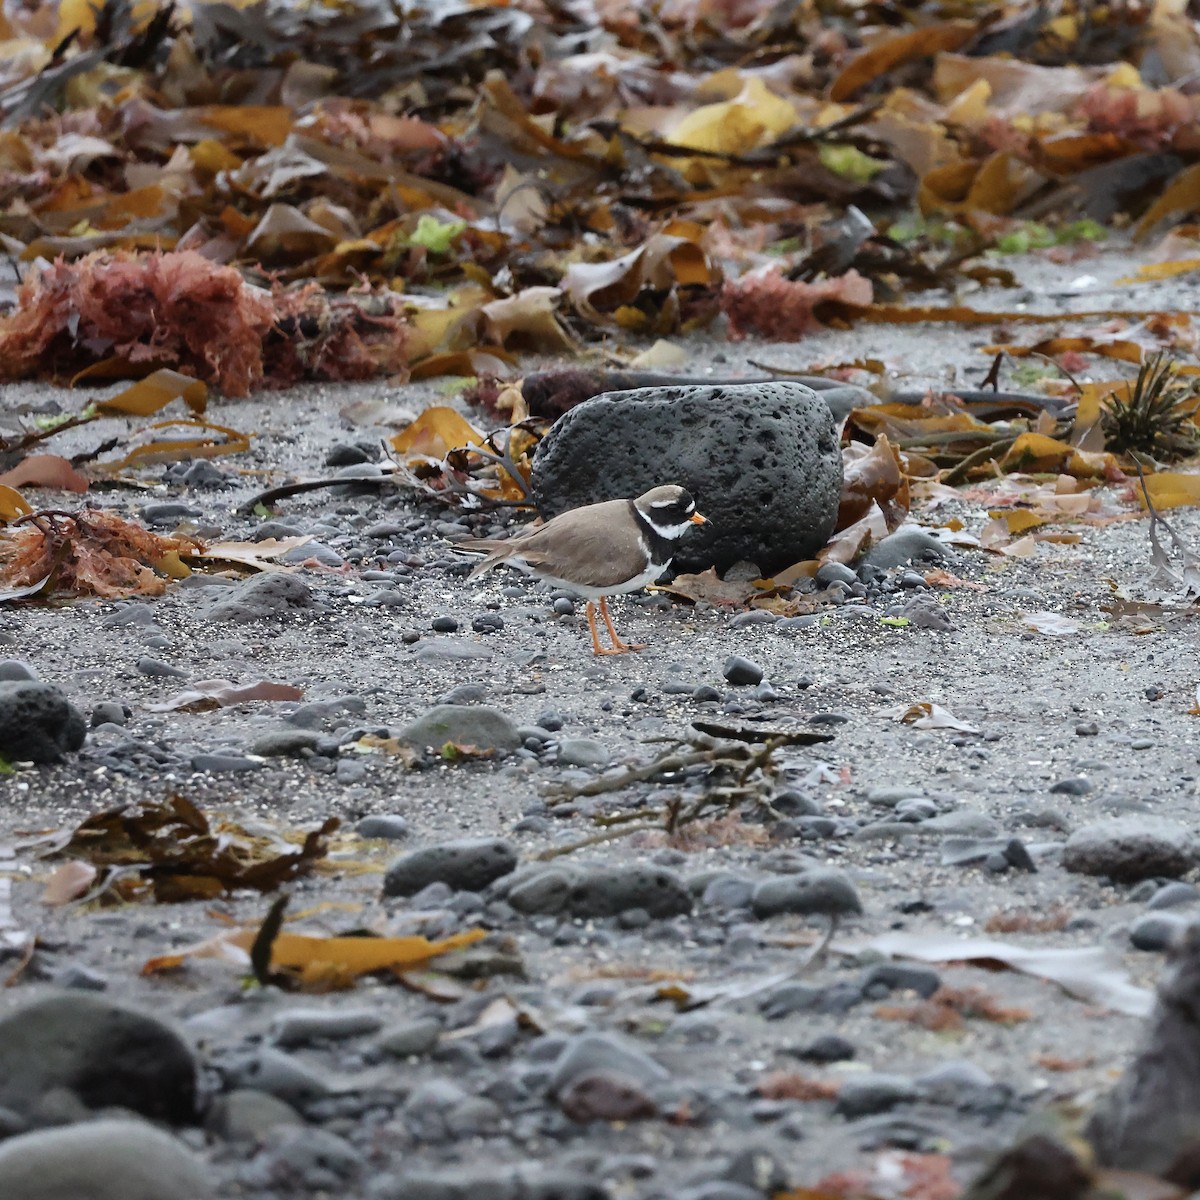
[761,459]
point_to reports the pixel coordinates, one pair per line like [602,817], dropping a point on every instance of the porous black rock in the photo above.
[37,722]
[762,461]
[607,891]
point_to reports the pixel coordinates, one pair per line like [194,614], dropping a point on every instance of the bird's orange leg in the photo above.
[619,647]
[591,619]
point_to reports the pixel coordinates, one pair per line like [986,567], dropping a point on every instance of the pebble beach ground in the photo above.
[643,1019]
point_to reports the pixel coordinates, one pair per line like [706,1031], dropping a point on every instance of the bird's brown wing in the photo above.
[598,546]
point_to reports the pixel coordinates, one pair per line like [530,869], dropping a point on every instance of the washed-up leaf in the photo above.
[1182,195]
[847,544]
[154,393]
[45,471]
[1038,452]
[528,320]
[89,553]
[1118,348]
[256,556]
[69,882]
[465,363]
[1087,972]
[754,117]
[286,235]
[708,588]
[221,440]
[1169,489]
[598,290]
[436,432]
[320,963]
[169,850]
[661,354]
[873,477]
[894,50]
[436,236]
[1154,272]
[371,743]
[207,694]
[850,162]
[1050,623]
[927,715]
[791,1085]
[12,504]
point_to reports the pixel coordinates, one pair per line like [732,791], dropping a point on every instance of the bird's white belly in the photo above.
[582,589]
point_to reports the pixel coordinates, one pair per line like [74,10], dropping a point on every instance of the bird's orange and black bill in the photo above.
[697,519]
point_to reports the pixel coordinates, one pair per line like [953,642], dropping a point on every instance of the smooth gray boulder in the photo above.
[270,594]
[101,1160]
[105,1053]
[762,460]
[464,725]
[1130,849]
[821,890]
[37,722]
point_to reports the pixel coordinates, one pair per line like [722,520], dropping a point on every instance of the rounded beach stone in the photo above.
[762,461]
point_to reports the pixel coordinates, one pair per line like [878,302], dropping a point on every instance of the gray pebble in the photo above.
[101,1160]
[583,752]
[108,712]
[963,822]
[885,978]
[741,672]
[389,828]
[248,1115]
[821,890]
[1173,895]
[1157,932]
[286,743]
[1076,785]
[828,1048]
[216,764]
[865,1095]
[591,1053]
[468,864]
[301,1026]
[276,1072]
[107,1054]
[168,515]
[410,1039]
[608,891]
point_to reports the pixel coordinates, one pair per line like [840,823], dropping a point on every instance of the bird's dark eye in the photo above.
[675,512]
